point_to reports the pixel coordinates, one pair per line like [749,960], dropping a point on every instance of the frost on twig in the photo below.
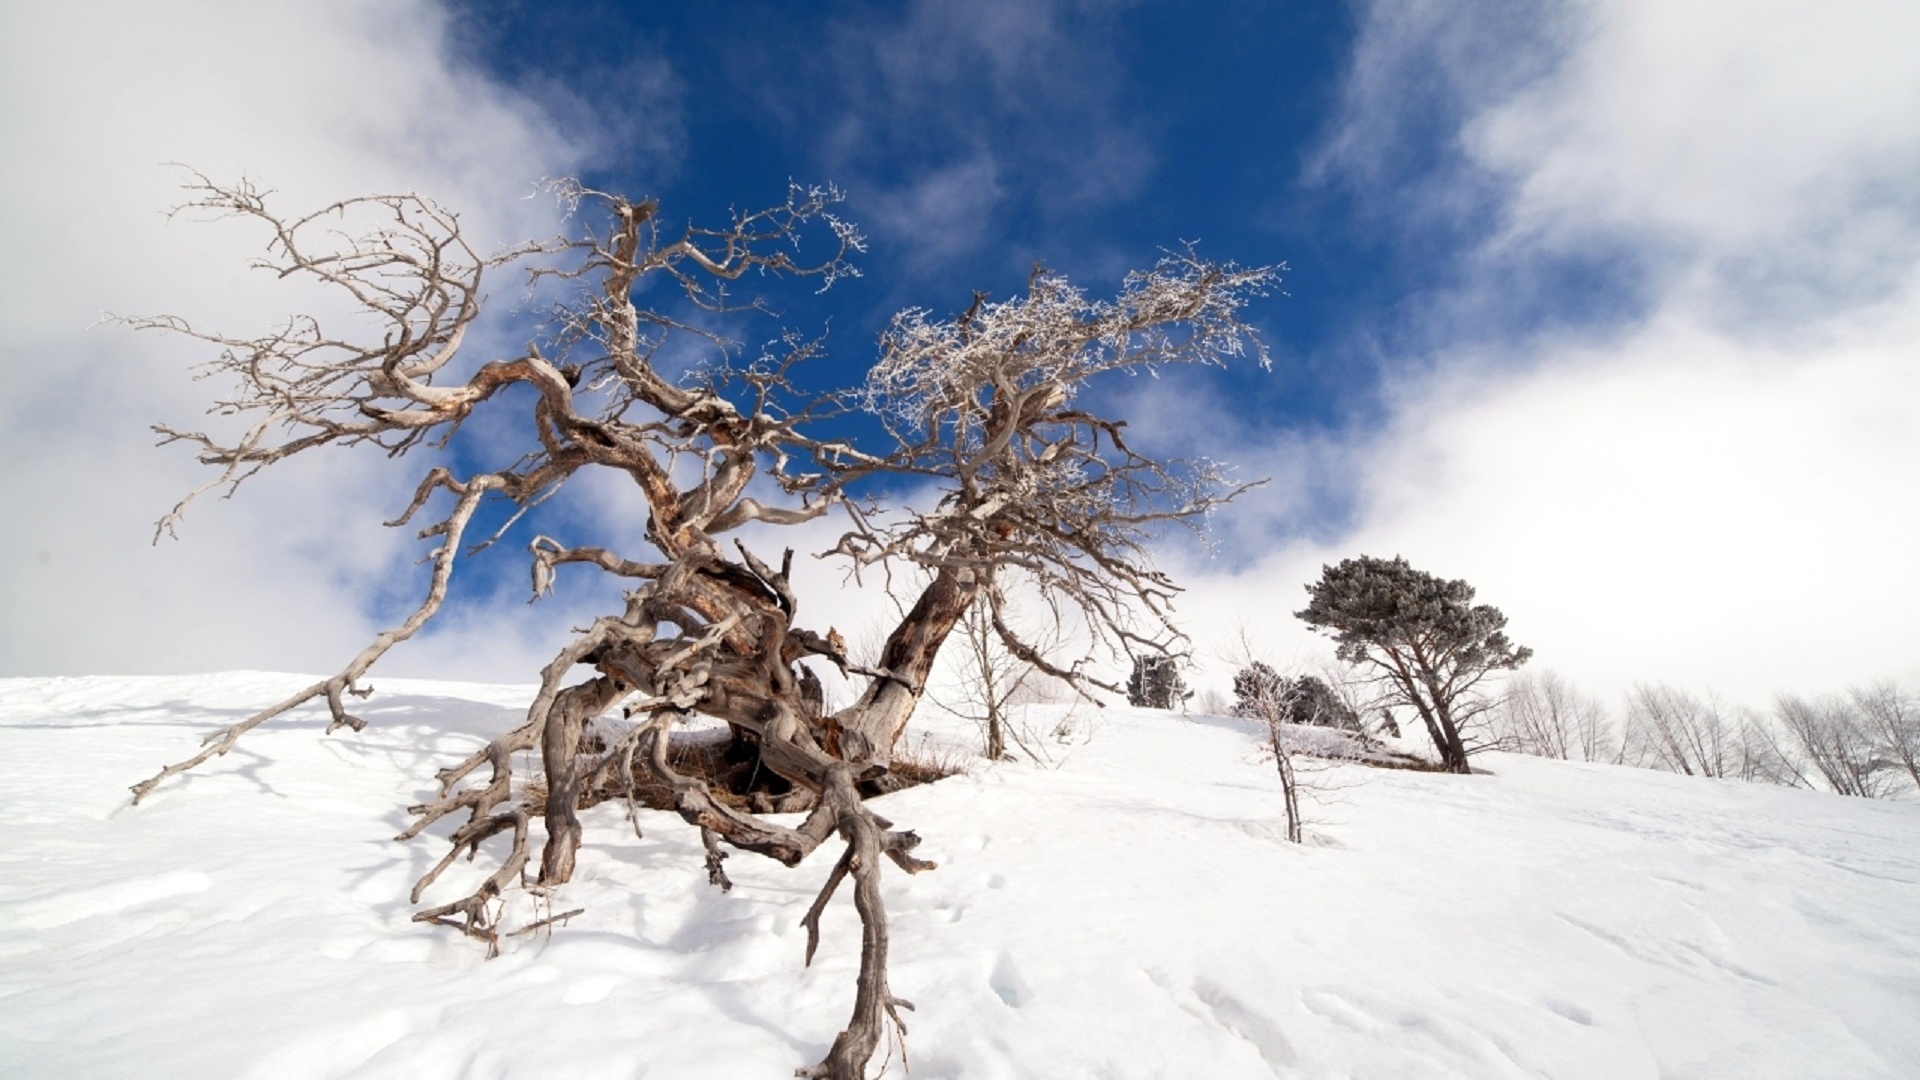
[985,406]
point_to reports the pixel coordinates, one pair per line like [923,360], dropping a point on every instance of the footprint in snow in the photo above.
[1569,1011]
[1244,1020]
[1007,984]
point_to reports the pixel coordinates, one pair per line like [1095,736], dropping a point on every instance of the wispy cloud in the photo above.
[937,113]
[1710,481]
[945,211]
[630,113]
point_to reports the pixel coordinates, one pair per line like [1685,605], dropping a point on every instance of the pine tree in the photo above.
[1423,637]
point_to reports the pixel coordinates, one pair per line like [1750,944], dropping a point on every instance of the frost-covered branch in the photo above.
[982,406]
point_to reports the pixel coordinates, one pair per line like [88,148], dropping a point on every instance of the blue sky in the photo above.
[974,141]
[1606,306]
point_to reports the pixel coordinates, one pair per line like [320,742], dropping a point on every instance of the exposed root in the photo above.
[811,922]
[551,920]
[874,1006]
[983,406]
[716,875]
[474,918]
[478,801]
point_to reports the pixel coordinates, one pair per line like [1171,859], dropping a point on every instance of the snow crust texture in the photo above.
[1132,911]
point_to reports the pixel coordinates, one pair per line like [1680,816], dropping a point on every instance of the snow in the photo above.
[1130,911]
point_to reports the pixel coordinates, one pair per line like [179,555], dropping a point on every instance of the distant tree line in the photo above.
[1865,743]
[1417,644]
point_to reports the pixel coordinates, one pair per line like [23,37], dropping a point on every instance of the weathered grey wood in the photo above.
[981,405]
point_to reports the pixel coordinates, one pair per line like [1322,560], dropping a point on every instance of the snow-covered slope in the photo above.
[1131,912]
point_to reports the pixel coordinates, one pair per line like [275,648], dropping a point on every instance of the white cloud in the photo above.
[941,213]
[946,107]
[1675,505]
[1761,129]
[317,101]
[1717,491]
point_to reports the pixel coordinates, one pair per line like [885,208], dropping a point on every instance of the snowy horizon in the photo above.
[1129,908]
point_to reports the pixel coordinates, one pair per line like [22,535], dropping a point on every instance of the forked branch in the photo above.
[984,406]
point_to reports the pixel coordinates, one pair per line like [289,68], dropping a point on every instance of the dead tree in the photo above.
[1673,730]
[982,407]
[989,683]
[1836,737]
[1545,715]
[1893,719]
[1273,702]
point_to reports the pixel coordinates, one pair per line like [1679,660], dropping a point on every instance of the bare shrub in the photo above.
[1765,756]
[1545,715]
[1892,719]
[1673,730]
[1841,741]
[1670,729]
[987,683]
[1273,702]
[1301,714]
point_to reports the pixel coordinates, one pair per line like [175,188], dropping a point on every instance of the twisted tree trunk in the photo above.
[980,405]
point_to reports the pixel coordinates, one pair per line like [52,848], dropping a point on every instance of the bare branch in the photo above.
[983,407]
